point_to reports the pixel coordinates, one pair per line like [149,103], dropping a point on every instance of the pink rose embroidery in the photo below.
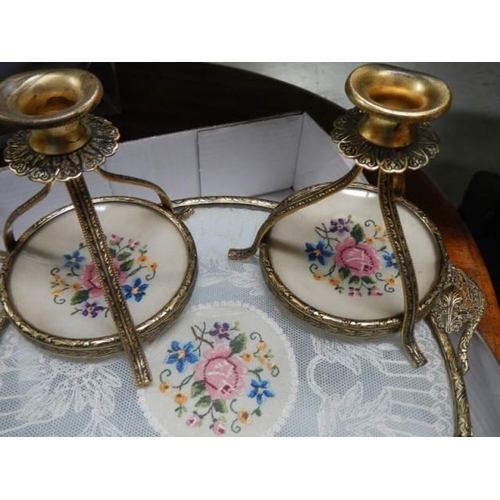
[219,429]
[222,373]
[90,279]
[359,258]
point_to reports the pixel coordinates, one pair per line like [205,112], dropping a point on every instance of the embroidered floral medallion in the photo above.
[353,257]
[225,370]
[75,282]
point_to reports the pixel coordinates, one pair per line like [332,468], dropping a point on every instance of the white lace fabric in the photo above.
[343,388]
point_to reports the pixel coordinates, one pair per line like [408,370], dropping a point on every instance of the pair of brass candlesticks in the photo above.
[387,131]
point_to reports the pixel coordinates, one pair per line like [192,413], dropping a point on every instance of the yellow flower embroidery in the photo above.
[165,387]
[180,398]
[244,417]
[247,357]
[142,258]
[261,346]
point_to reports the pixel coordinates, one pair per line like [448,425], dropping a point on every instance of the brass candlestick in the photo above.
[387,131]
[60,142]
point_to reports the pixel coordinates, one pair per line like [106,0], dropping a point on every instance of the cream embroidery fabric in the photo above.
[344,387]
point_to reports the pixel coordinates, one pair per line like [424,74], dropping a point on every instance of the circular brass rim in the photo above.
[20,92]
[395,93]
[348,327]
[105,345]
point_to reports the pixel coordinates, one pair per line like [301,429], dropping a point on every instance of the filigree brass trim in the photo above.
[350,327]
[460,304]
[24,161]
[107,345]
[463,427]
[396,236]
[391,160]
[344,327]
[103,262]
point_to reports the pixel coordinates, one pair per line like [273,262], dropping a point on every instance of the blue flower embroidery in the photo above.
[318,252]
[73,260]
[180,355]
[221,331]
[137,290]
[390,260]
[260,391]
[339,226]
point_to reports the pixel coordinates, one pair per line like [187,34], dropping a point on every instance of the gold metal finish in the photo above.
[388,131]
[459,305]
[101,257]
[431,306]
[23,160]
[394,99]
[61,141]
[3,314]
[353,145]
[348,327]
[8,233]
[463,427]
[112,344]
[291,204]
[126,179]
[405,265]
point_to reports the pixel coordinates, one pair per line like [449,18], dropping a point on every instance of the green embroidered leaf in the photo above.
[123,256]
[204,402]
[357,233]
[197,388]
[368,280]
[238,344]
[112,251]
[344,273]
[220,406]
[79,297]
[127,265]
[354,280]
[258,412]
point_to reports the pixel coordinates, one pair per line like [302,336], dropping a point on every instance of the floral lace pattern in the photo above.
[76,279]
[353,257]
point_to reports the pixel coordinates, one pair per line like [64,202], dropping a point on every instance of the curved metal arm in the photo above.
[127,179]
[291,204]
[8,233]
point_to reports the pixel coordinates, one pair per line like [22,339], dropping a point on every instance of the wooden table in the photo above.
[163,98]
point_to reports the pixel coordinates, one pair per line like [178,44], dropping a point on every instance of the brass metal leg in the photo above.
[462,414]
[405,265]
[101,257]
